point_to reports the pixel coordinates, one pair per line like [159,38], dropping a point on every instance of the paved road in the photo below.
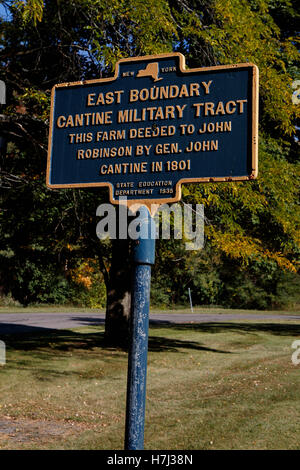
[25,322]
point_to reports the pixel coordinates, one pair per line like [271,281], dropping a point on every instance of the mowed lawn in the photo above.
[210,386]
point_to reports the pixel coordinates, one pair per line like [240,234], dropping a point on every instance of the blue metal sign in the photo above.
[154,126]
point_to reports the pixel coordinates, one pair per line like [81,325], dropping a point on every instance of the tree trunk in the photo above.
[119,295]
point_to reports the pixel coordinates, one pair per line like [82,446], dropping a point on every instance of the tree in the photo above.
[252,229]
[47,43]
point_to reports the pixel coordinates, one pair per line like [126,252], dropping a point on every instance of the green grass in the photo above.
[46,308]
[220,310]
[209,386]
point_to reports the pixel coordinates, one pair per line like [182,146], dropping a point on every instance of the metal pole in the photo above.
[143,258]
[191,303]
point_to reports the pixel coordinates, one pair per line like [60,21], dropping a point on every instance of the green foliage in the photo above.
[261,284]
[234,31]
[34,280]
[287,290]
[32,10]
[130,28]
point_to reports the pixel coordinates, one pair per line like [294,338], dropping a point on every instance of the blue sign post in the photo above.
[3,118]
[143,133]
[143,258]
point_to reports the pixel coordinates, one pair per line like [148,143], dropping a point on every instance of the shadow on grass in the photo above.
[65,340]
[39,339]
[163,344]
[281,329]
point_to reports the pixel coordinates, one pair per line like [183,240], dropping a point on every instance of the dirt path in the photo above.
[14,432]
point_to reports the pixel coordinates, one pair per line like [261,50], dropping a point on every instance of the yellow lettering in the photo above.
[198,108]
[194,89]
[61,121]
[108,117]
[100,99]
[183,91]
[133,95]
[80,154]
[209,108]
[78,119]
[230,107]
[220,108]
[241,105]
[70,121]
[123,115]
[90,99]
[180,109]
[109,97]
[174,90]
[206,86]
[118,93]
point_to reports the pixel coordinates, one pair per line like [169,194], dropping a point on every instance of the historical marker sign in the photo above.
[154,126]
